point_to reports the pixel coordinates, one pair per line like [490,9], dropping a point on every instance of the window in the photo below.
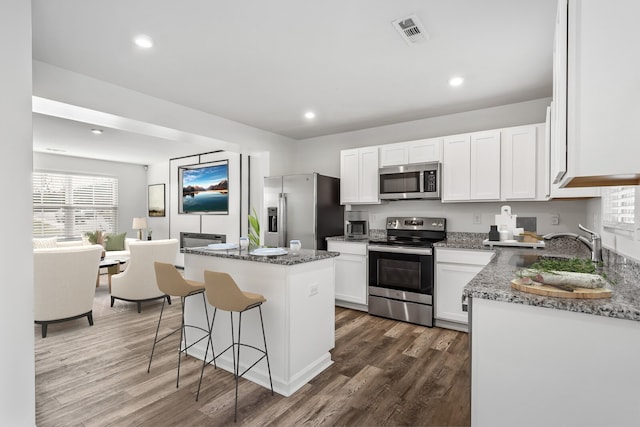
[618,207]
[67,205]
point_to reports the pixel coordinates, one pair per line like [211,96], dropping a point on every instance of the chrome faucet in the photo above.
[593,242]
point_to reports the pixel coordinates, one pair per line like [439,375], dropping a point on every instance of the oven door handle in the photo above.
[400,250]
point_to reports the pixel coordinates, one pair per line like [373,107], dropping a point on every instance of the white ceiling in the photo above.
[264,63]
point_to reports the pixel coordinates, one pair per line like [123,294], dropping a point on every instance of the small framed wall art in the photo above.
[156,201]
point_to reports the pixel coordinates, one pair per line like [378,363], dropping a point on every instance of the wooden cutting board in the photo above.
[550,291]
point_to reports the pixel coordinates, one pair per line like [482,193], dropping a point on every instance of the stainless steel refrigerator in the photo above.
[305,207]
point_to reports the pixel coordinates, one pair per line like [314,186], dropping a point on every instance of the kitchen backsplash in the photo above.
[478,217]
[627,268]
[471,240]
[377,233]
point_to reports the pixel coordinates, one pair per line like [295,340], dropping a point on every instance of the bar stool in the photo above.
[171,282]
[223,293]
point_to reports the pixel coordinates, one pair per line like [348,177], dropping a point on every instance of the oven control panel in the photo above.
[416,223]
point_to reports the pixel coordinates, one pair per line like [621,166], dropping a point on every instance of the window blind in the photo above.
[618,207]
[66,205]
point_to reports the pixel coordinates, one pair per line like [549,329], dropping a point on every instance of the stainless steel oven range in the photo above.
[401,269]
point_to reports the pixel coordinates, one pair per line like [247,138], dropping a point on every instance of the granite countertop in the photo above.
[303,256]
[344,239]
[494,283]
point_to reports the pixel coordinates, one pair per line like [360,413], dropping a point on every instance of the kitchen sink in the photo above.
[526,260]
[521,260]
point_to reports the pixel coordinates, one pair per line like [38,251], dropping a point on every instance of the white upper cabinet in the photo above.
[471,167]
[456,168]
[602,113]
[504,164]
[359,176]
[419,151]
[519,159]
[558,159]
[553,190]
[485,165]
[425,150]
[394,154]
[349,175]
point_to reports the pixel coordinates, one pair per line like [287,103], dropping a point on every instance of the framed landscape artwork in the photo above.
[205,188]
[156,200]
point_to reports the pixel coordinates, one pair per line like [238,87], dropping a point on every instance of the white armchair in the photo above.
[138,282]
[64,283]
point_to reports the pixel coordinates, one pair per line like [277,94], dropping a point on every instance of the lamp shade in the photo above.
[139,223]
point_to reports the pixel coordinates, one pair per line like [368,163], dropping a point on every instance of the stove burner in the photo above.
[415,232]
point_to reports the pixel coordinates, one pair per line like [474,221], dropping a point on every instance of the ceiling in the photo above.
[265,63]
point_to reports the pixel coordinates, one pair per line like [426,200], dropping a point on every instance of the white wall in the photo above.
[132,182]
[322,154]
[17,372]
[460,215]
[159,174]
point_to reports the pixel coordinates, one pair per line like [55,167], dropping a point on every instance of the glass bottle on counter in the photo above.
[494,234]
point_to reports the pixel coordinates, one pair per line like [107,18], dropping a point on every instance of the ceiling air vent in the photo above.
[411,29]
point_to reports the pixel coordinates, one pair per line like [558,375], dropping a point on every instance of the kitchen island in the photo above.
[299,314]
[550,361]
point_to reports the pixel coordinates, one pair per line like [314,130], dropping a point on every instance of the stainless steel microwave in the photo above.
[418,181]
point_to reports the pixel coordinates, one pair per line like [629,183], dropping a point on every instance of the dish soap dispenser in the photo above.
[494,234]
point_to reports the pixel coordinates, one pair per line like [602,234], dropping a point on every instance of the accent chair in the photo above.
[138,282]
[64,283]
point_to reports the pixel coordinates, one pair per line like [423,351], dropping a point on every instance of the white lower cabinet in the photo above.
[581,368]
[351,273]
[454,269]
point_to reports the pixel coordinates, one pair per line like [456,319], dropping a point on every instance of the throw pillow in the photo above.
[114,242]
[45,242]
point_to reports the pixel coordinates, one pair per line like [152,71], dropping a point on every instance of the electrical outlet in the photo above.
[555,219]
[313,289]
[477,218]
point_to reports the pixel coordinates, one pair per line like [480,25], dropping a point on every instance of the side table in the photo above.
[113,267]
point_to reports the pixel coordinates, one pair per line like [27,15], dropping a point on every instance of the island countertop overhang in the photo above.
[301,257]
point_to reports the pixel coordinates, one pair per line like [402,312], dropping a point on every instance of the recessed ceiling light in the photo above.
[310,115]
[96,131]
[143,41]
[456,81]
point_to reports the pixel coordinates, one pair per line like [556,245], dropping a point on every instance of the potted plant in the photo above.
[94,236]
[254,230]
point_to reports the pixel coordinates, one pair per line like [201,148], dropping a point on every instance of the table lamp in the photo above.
[139,224]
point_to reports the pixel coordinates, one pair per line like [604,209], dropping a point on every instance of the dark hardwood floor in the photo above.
[386,373]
